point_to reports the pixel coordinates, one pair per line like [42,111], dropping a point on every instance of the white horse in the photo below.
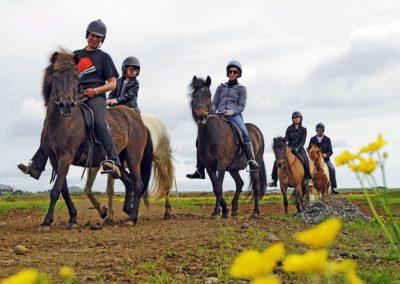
[163,171]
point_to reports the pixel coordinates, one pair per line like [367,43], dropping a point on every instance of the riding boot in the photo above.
[250,156]
[274,176]
[200,170]
[307,173]
[37,164]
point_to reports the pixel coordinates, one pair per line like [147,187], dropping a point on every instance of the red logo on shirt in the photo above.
[85,66]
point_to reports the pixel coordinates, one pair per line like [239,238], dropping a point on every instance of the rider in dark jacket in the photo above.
[324,143]
[97,75]
[127,89]
[230,100]
[296,138]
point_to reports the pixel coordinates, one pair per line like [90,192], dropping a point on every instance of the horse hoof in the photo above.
[225,215]
[129,223]
[44,228]
[214,216]
[254,216]
[108,222]
[234,213]
[103,212]
[167,216]
[72,226]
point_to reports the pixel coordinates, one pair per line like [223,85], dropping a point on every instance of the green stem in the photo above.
[382,166]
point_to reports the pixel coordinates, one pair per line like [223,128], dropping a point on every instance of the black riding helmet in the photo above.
[297,114]
[97,28]
[320,126]
[131,61]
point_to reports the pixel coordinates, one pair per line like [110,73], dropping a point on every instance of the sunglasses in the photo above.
[233,71]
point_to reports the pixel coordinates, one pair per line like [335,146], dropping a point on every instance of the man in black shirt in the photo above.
[324,143]
[97,75]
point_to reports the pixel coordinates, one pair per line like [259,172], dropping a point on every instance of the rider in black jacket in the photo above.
[296,138]
[324,143]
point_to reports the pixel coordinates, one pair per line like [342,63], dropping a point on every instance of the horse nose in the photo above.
[279,163]
[200,111]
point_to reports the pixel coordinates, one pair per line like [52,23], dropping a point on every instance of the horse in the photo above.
[219,151]
[321,179]
[64,138]
[163,171]
[291,174]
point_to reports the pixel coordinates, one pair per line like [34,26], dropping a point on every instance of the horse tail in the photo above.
[145,167]
[163,168]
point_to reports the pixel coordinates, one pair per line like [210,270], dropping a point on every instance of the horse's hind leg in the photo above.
[70,205]
[110,194]
[167,213]
[255,176]
[91,176]
[239,185]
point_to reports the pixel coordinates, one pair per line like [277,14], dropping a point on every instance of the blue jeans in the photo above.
[238,120]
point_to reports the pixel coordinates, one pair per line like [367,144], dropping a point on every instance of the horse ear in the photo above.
[75,57]
[53,57]
[208,81]
[194,79]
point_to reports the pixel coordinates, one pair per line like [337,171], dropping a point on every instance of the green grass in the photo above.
[41,205]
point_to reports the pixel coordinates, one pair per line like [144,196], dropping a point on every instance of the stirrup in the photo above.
[111,171]
[248,167]
[26,172]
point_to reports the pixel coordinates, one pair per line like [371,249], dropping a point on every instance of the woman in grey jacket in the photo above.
[230,100]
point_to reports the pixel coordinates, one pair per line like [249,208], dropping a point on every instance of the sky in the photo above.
[338,62]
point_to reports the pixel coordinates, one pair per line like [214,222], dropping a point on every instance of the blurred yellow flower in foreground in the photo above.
[344,158]
[310,262]
[266,280]
[272,255]
[365,166]
[66,273]
[25,276]
[320,236]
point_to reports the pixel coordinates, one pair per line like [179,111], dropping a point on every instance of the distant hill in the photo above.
[4,186]
[73,189]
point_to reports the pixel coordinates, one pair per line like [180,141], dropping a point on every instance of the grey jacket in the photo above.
[229,98]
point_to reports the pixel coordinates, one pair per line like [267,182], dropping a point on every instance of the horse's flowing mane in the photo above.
[279,141]
[61,59]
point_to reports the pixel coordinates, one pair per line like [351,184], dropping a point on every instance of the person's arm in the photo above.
[303,139]
[216,99]
[129,95]
[113,93]
[310,143]
[329,152]
[109,86]
[242,101]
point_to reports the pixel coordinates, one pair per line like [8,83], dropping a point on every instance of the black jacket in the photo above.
[126,94]
[296,138]
[325,145]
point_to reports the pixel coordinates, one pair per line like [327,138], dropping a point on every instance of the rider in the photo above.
[230,100]
[127,89]
[296,137]
[97,75]
[324,143]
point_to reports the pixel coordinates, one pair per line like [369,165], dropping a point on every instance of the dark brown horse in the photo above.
[219,151]
[291,174]
[64,138]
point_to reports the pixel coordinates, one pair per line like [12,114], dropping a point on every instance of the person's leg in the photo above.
[37,164]
[307,174]
[200,168]
[274,176]
[98,106]
[238,120]
[332,175]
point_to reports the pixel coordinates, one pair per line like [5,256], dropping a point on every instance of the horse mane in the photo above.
[59,59]
[318,159]
[279,141]
[197,84]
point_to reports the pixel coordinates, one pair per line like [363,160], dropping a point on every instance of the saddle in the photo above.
[237,134]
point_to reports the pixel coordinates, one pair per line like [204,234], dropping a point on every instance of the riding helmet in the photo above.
[320,126]
[131,61]
[296,113]
[97,28]
[235,63]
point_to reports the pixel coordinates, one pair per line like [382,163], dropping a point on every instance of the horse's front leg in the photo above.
[213,178]
[239,185]
[72,224]
[110,194]
[284,194]
[62,171]
[222,202]
[298,198]
[91,176]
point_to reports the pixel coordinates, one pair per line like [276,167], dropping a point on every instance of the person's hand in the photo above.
[112,102]
[324,155]
[90,92]
[295,149]
[228,112]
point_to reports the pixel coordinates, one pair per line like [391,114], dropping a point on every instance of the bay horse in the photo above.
[291,174]
[64,138]
[321,179]
[163,171]
[219,151]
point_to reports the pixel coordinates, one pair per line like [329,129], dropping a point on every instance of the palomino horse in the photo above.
[291,173]
[321,178]
[163,171]
[64,137]
[219,151]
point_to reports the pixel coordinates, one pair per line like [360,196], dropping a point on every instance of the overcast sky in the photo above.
[338,62]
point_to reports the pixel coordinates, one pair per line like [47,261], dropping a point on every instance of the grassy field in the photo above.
[191,247]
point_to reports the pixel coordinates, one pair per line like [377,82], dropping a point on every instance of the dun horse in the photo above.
[219,151]
[64,139]
[321,178]
[291,174]
[163,171]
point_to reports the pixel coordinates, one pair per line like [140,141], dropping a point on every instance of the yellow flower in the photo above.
[25,276]
[266,280]
[352,277]
[272,255]
[311,261]
[320,236]
[367,166]
[344,158]
[66,273]
[343,266]
[249,263]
